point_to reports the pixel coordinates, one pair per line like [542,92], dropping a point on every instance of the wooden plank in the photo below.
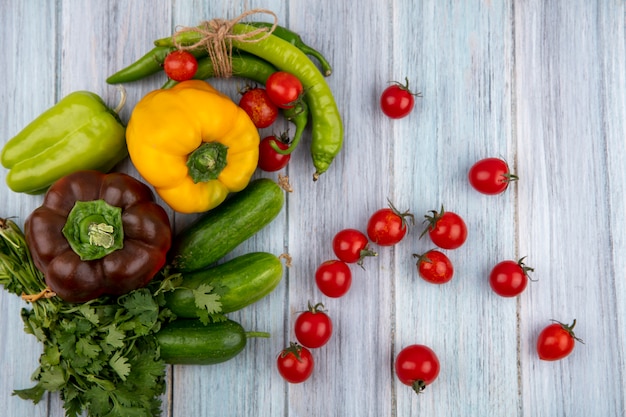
[460,55]
[26,31]
[247,385]
[570,89]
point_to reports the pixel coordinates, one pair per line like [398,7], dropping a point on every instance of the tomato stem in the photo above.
[403,215]
[570,330]
[432,220]
[526,269]
[294,348]
[418,386]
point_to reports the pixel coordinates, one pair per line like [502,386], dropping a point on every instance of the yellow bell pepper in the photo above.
[193,144]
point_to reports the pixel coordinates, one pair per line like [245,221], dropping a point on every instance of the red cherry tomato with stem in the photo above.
[180,65]
[257,104]
[556,341]
[295,363]
[284,89]
[397,100]
[351,246]
[388,226]
[509,278]
[417,366]
[446,229]
[434,267]
[269,159]
[333,278]
[313,328]
[490,176]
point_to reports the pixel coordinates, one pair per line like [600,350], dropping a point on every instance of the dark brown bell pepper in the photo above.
[98,234]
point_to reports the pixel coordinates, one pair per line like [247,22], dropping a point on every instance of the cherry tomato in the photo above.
[556,341]
[509,278]
[295,363]
[314,327]
[269,159]
[284,89]
[257,104]
[333,278]
[434,267]
[417,366]
[397,101]
[446,229]
[388,226]
[490,176]
[351,245]
[180,65]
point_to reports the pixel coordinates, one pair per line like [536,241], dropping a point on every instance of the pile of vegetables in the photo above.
[256,51]
[106,345]
[113,295]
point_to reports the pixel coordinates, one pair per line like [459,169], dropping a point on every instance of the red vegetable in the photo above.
[257,104]
[388,226]
[269,159]
[490,176]
[313,328]
[180,65]
[351,245]
[397,100]
[295,363]
[509,278]
[446,229]
[333,278]
[556,341]
[417,366]
[284,89]
[98,234]
[434,267]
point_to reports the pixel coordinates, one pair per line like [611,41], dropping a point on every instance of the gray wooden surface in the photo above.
[539,83]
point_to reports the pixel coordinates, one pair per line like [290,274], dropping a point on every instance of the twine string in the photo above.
[216,37]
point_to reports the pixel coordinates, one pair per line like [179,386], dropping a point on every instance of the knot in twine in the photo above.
[216,36]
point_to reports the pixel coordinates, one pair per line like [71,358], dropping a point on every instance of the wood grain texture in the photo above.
[541,84]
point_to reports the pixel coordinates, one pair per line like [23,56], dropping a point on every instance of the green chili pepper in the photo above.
[299,116]
[296,40]
[150,63]
[327,126]
[79,132]
[243,65]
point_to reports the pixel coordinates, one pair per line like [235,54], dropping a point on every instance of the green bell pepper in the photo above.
[80,132]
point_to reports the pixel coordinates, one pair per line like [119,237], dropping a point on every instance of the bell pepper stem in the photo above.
[207,161]
[94,229]
[122,102]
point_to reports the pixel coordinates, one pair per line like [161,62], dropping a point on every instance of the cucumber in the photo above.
[220,230]
[239,282]
[189,342]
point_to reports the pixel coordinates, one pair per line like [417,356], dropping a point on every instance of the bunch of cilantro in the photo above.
[101,356]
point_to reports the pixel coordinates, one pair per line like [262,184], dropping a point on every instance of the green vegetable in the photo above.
[327,126]
[150,63]
[243,65]
[296,40]
[189,342]
[80,132]
[238,282]
[220,230]
[102,355]
[299,116]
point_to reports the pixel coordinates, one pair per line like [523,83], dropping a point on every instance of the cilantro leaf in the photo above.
[206,299]
[142,307]
[35,393]
[120,365]
[114,336]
